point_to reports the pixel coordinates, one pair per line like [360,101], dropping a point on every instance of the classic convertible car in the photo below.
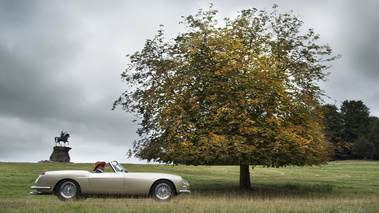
[77,184]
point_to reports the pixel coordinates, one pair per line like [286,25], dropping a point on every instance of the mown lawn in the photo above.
[344,186]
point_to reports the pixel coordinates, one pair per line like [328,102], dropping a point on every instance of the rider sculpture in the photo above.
[63,138]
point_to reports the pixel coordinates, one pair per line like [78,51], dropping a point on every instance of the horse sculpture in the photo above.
[63,138]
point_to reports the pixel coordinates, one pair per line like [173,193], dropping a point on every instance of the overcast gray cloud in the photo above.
[61,63]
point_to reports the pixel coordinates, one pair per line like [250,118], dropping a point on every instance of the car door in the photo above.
[105,183]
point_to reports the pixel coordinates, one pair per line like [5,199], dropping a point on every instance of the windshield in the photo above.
[117,167]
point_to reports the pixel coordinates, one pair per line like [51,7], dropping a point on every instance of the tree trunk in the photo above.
[244,177]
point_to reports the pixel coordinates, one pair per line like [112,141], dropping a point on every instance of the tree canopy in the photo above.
[243,93]
[351,129]
[363,148]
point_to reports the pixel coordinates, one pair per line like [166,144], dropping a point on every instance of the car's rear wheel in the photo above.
[68,190]
[163,190]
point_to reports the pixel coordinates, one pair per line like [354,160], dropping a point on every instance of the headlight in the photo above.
[185,182]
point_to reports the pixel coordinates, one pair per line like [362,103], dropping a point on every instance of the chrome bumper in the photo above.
[185,191]
[40,187]
[41,190]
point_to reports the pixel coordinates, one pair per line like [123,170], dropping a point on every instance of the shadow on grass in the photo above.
[266,190]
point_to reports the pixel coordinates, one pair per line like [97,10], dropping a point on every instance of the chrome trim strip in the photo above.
[185,191]
[40,187]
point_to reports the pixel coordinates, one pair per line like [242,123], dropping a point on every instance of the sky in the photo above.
[61,65]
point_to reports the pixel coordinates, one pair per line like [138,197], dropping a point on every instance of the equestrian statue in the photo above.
[63,138]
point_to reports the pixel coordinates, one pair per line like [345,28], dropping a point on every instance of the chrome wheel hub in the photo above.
[68,190]
[163,191]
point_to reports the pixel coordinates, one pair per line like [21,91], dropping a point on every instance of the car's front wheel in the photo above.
[163,190]
[68,190]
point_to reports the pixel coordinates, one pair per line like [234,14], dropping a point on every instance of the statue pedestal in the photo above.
[60,154]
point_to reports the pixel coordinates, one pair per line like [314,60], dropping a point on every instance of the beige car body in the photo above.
[108,183]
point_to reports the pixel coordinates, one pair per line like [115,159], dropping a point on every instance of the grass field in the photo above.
[344,186]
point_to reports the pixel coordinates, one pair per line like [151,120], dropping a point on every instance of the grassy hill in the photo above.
[344,186]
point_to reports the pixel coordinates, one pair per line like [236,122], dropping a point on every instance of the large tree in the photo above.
[363,148]
[356,117]
[243,93]
[335,132]
[374,134]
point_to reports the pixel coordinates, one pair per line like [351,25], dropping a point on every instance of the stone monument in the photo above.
[60,153]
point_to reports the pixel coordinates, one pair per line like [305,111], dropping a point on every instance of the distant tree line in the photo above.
[352,130]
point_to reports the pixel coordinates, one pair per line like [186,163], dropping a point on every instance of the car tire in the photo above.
[68,190]
[163,190]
